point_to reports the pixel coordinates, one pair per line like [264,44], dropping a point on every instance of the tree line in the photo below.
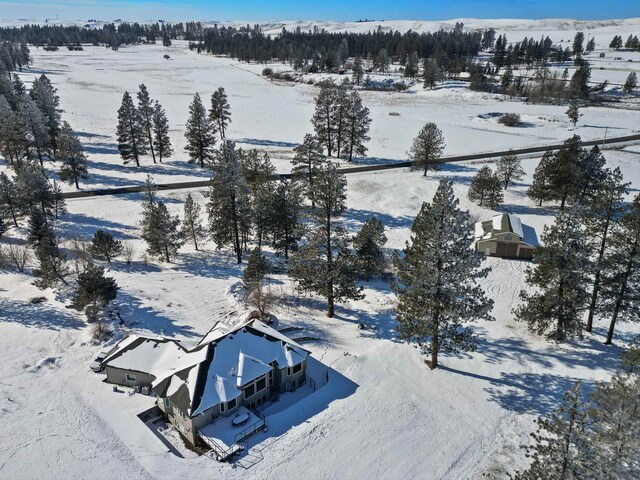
[327,51]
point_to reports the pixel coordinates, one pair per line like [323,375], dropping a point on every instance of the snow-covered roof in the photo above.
[152,355]
[227,359]
[503,223]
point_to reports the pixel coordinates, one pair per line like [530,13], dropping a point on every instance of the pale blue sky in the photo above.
[317,10]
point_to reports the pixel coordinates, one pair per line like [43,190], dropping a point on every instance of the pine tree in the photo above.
[14,145]
[358,71]
[591,45]
[105,245]
[323,120]
[411,68]
[34,124]
[130,131]
[578,42]
[621,271]
[486,188]
[52,264]
[45,96]
[159,229]
[228,200]
[616,43]
[591,174]
[33,189]
[437,278]
[579,84]
[630,83]
[559,276]
[369,246]
[509,169]
[94,291]
[40,229]
[257,268]
[146,111]
[615,416]
[573,112]
[74,161]
[357,126]
[284,224]
[59,205]
[306,162]
[540,189]
[430,73]
[166,40]
[427,148]
[8,196]
[200,138]
[324,264]
[161,140]
[342,104]
[604,209]
[192,228]
[220,112]
[558,451]
[565,170]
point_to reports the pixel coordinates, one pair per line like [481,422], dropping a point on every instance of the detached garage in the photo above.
[505,236]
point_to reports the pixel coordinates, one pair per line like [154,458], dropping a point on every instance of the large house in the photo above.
[209,389]
[505,236]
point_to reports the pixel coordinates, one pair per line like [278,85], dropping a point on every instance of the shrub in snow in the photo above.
[267,72]
[509,119]
[400,86]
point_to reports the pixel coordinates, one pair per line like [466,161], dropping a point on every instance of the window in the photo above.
[167,403]
[222,407]
[261,384]
[232,404]
[271,378]
[131,378]
[250,390]
[297,368]
[507,238]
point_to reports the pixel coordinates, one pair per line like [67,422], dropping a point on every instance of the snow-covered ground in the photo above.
[384,414]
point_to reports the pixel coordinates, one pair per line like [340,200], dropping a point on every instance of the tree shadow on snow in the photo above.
[39,315]
[266,143]
[355,218]
[80,225]
[135,314]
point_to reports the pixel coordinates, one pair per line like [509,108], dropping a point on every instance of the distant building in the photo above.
[505,236]
[209,390]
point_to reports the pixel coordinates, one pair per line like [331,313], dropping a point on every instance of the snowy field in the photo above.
[384,414]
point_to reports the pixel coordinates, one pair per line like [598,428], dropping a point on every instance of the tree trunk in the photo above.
[435,346]
[426,166]
[330,298]
[596,280]
[195,241]
[236,233]
[166,253]
[13,214]
[76,181]
[153,155]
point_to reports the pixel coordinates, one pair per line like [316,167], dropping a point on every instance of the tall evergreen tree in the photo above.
[509,169]
[74,161]
[358,71]
[486,188]
[45,96]
[308,158]
[131,132]
[192,228]
[146,110]
[8,196]
[323,120]
[427,148]
[257,268]
[39,229]
[159,228]
[559,276]
[161,140]
[630,83]
[615,416]
[285,222]
[228,199]
[14,143]
[558,451]
[200,138]
[621,271]
[437,278]
[33,122]
[33,189]
[52,265]
[357,126]
[324,264]
[604,210]
[369,247]
[540,189]
[430,72]
[573,112]
[220,112]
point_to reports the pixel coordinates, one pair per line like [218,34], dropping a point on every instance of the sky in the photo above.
[340,10]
